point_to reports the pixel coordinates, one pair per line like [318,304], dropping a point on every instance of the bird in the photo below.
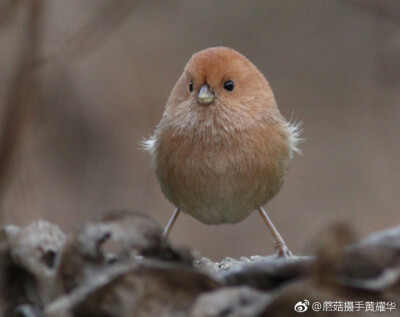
[222,147]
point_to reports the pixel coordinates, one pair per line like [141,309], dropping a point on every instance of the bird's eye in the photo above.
[190,86]
[229,85]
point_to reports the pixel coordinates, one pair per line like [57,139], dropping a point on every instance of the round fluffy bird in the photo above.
[222,148]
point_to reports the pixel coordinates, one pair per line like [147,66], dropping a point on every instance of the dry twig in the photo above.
[22,94]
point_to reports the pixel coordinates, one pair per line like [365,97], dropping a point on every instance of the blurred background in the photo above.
[82,83]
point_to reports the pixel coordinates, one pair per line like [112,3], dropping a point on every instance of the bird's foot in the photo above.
[282,251]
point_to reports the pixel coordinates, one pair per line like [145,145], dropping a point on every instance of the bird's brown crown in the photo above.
[214,66]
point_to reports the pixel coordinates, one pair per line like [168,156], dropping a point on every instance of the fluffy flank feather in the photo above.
[148,144]
[295,132]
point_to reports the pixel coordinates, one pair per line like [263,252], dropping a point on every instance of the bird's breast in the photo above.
[217,175]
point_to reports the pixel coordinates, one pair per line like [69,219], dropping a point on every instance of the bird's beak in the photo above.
[205,96]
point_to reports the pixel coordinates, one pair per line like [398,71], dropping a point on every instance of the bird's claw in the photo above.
[282,251]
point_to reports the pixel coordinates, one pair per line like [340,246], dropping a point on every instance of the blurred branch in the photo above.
[22,94]
[388,9]
[7,10]
[95,32]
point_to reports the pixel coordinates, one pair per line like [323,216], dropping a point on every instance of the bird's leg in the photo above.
[171,223]
[280,246]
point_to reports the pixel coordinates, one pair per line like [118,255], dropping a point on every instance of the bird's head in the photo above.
[218,76]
